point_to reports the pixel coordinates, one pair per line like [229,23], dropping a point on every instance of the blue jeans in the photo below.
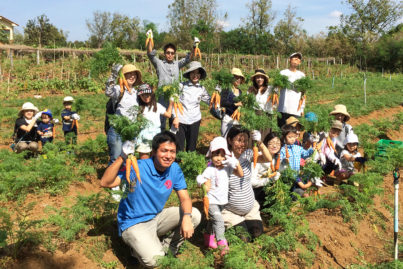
[114,144]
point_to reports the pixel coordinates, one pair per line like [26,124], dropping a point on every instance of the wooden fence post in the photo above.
[37,57]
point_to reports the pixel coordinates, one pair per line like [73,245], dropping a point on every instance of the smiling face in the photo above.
[295,62]
[217,157]
[67,105]
[194,76]
[290,138]
[274,145]
[169,54]
[131,78]
[164,156]
[239,144]
[339,117]
[45,118]
[28,114]
[237,81]
[259,79]
[334,133]
[352,147]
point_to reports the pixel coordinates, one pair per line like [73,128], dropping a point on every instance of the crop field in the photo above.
[54,214]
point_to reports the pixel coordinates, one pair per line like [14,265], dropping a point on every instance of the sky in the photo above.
[71,15]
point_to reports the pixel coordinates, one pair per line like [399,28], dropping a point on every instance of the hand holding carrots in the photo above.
[149,39]
[196,47]
[127,149]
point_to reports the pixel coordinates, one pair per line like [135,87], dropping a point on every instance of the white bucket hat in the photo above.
[351,138]
[218,143]
[28,106]
[68,99]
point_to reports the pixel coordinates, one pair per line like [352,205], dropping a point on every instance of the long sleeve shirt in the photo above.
[228,101]
[328,151]
[296,153]
[289,99]
[167,72]
[190,98]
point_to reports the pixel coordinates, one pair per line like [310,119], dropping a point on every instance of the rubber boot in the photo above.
[209,241]
[223,245]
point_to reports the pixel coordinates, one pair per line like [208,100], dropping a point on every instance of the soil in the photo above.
[339,245]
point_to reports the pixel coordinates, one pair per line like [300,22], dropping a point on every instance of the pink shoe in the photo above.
[223,245]
[209,241]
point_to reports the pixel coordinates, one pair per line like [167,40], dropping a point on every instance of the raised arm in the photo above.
[110,177]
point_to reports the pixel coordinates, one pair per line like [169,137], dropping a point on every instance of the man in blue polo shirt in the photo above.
[142,218]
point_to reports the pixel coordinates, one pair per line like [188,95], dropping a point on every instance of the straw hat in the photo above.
[194,66]
[293,121]
[260,72]
[127,68]
[340,109]
[237,72]
[218,143]
[337,125]
[27,106]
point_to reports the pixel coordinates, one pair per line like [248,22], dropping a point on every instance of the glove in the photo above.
[276,177]
[75,116]
[230,162]
[115,70]
[360,159]
[196,42]
[256,135]
[322,158]
[200,179]
[317,182]
[127,149]
[314,138]
[338,164]
[55,121]
[38,115]
[218,88]
[149,34]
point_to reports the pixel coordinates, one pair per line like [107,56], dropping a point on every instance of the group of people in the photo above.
[235,187]
[33,126]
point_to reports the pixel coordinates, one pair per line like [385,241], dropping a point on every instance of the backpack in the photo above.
[111,109]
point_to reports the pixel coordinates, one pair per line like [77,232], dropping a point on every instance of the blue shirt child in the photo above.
[47,130]
[67,123]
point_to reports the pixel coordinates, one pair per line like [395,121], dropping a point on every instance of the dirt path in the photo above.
[386,113]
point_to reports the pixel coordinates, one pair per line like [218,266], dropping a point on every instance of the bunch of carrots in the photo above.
[215,100]
[274,99]
[302,85]
[150,40]
[197,51]
[131,161]
[123,83]
[75,123]
[206,202]
[237,114]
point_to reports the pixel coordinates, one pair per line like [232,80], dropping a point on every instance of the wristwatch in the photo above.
[188,214]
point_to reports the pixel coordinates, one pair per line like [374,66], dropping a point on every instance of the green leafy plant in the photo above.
[192,165]
[223,78]
[103,60]
[129,129]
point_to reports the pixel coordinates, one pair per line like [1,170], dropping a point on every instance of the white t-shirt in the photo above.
[154,122]
[218,193]
[289,99]
[261,99]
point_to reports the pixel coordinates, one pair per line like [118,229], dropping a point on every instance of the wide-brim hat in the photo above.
[260,72]
[336,124]
[297,54]
[238,72]
[27,106]
[341,109]
[218,143]
[194,66]
[127,68]
[294,122]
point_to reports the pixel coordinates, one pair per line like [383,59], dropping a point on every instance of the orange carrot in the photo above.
[301,101]
[212,100]
[180,107]
[272,167]
[206,204]
[278,163]
[152,43]
[54,132]
[176,109]
[126,85]
[255,154]
[217,100]
[135,166]
[330,143]
[121,85]
[128,162]
[76,123]
[272,174]
[147,41]
[268,99]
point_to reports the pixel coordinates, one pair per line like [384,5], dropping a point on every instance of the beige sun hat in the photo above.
[218,143]
[127,68]
[336,124]
[27,106]
[340,109]
[194,66]
[260,72]
[237,72]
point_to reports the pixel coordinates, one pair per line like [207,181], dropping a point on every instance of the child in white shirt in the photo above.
[349,156]
[215,178]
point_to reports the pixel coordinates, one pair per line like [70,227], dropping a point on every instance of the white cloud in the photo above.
[335,14]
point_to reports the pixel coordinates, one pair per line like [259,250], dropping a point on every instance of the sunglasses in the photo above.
[170,52]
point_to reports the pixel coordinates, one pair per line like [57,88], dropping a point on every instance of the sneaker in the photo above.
[223,245]
[209,241]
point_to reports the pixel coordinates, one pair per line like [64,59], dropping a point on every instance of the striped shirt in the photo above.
[240,194]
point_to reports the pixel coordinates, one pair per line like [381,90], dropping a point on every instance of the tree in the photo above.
[287,30]
[124,31]
[41,32]
[3,35]
[370,18]
[100,28]
[183,15]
